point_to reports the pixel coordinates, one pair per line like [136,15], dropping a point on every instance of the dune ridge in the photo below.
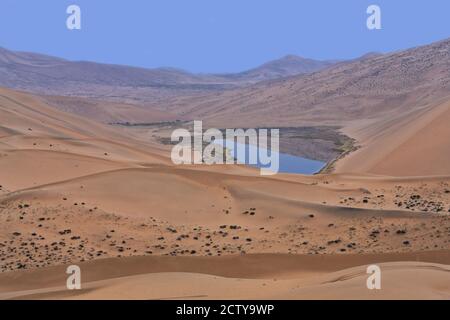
[268,276]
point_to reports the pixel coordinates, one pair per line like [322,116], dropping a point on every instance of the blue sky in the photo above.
[218,35]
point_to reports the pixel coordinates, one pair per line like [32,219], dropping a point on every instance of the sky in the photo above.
[218,36]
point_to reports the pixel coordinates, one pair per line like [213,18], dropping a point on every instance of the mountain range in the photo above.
[43,74]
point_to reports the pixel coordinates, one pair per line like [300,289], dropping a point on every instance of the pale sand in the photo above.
[240,277]
[415,143]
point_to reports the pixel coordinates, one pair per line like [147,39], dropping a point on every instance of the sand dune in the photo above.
[108,112]
[404,281]
[76,191]
[240,277]
[415,143]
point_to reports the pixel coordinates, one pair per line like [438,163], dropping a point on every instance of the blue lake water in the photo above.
[287,163]
[294,164]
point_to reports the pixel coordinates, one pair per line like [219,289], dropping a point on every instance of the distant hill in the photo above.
[287,66]
[365,88]
[43,74]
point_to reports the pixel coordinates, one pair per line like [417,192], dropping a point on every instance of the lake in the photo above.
[287,162]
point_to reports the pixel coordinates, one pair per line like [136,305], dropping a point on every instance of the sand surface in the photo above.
[415,143]
[263,276]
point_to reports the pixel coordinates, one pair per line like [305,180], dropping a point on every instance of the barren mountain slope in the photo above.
[43,74]
[380,85]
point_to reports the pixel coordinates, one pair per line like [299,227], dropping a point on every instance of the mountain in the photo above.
[376,86]
[374,99]
[25,68]
[287,66]
[54,76]
[396,106]
[370,55]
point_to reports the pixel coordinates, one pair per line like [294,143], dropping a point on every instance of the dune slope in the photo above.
[240,277]
[412,144]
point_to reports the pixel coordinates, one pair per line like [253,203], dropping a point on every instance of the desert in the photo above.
[78,188]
